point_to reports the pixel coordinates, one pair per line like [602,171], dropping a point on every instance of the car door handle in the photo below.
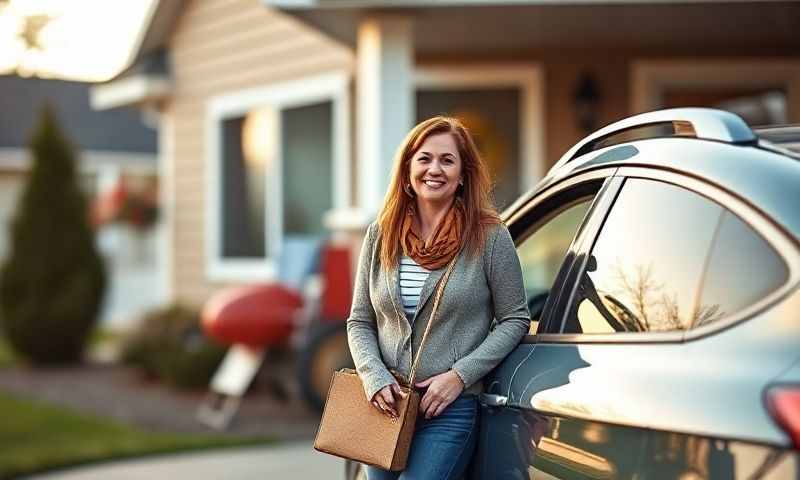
[491,400]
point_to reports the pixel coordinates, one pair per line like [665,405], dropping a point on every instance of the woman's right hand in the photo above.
[384,399]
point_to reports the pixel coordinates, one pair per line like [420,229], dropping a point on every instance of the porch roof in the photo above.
[472,26]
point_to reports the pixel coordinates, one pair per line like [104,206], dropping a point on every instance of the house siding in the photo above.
[220,47]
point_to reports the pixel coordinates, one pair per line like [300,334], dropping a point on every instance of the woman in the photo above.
[438,207]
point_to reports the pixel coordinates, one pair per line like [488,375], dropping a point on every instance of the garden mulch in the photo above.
[122,393]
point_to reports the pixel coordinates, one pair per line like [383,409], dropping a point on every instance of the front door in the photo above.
[518,440]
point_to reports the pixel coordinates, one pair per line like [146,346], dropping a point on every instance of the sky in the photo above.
[84,40]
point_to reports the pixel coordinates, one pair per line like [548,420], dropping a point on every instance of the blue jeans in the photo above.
[442,447]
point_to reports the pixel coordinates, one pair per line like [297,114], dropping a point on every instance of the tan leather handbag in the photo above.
[352,428]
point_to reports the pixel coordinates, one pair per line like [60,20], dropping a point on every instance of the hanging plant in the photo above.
[136,208]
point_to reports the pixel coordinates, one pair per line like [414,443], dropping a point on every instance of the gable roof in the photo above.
[21,100]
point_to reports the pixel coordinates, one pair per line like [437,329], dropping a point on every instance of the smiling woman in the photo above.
[87,40]
[438,231]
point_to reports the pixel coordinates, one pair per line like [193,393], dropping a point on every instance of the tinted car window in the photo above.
[645,268]
[542,253]
[742,269]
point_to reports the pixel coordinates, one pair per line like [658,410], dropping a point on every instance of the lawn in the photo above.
[35,437]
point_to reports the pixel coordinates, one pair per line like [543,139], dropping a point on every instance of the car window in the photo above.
[543,251]
[645,268]
[742,269]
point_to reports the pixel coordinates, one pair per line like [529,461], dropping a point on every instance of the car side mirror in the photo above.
[591,264]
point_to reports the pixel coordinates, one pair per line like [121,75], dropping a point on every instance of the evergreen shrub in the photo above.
[52,283]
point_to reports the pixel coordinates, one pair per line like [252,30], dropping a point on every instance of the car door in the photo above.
[590,387]
[609,387]
[547,231]
[702,402]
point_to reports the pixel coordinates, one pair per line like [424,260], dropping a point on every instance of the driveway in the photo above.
[291,461]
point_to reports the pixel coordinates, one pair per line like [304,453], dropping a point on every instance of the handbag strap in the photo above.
[439,291]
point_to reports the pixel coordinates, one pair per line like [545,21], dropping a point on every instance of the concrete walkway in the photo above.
[291,461]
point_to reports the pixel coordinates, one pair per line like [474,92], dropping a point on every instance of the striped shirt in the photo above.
[412,278]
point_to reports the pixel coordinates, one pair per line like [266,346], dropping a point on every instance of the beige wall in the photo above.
[220,47]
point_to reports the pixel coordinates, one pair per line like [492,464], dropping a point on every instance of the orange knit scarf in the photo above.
[444,242]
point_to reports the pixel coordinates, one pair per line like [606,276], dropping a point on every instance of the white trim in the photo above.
[332,87]
[342,146]
[88,160]
[129,91]
[166,200]
[649,78]
[529,78]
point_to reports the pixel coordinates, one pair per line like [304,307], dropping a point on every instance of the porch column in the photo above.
[385,102]
[166,205]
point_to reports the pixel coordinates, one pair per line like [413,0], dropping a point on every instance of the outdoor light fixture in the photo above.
[587,99]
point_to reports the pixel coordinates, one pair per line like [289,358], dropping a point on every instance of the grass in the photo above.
[35,437]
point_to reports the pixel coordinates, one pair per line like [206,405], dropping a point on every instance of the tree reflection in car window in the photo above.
[542,253]
[646,266]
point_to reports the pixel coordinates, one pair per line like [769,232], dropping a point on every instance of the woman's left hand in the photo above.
[442,390]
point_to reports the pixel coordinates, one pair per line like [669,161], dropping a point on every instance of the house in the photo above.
[111,147]
[277,117]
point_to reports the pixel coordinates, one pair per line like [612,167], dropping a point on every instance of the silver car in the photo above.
[661,258]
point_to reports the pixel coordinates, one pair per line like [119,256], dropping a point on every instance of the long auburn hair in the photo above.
[479,210]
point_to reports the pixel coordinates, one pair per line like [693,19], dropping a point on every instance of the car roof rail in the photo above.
[702,123]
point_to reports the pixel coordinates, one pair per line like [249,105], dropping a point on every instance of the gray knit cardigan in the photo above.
[488,286]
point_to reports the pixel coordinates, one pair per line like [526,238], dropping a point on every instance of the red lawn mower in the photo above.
[310,315]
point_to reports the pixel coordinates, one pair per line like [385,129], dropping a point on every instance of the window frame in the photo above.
[519,222]
[331,87]
[780,241]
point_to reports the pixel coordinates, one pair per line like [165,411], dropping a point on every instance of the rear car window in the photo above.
[742,269]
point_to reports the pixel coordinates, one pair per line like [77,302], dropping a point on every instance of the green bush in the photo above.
[171,346]
[52,284]
[6,354]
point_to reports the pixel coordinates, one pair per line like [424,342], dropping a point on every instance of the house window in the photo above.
[276,161]
[307,169]
[244,185]
[760,91]
[756,106]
